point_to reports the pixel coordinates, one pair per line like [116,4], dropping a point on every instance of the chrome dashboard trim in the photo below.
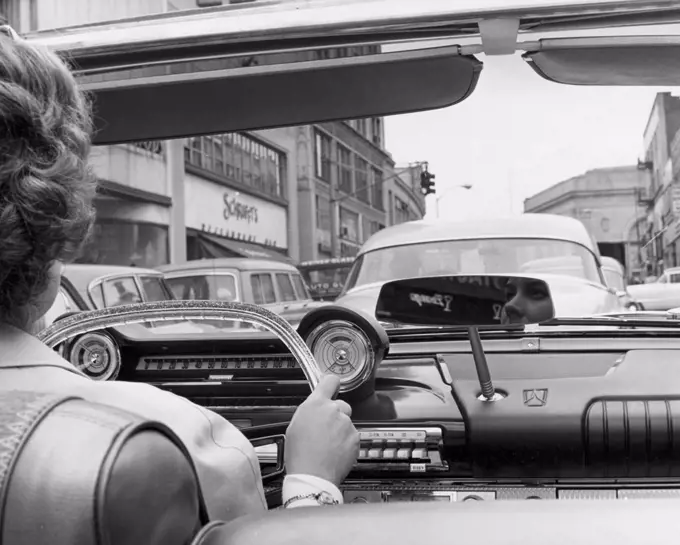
[88,321]
[444,370]
[357,378]
[563,344]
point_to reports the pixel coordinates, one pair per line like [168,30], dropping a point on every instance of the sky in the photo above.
[518,134]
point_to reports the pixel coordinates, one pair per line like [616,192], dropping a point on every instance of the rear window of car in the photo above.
[207,287]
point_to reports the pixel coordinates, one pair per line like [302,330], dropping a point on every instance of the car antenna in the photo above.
[489,393]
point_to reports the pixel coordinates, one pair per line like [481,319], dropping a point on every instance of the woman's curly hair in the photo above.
[46,185]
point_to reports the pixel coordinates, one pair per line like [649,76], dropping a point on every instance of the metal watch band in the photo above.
[322,498]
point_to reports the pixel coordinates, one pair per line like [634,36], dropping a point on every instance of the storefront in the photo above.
[131,228]
[222,222]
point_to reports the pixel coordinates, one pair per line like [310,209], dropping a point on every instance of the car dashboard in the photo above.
[589,422]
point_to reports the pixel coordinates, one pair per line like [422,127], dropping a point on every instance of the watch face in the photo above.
[326,499]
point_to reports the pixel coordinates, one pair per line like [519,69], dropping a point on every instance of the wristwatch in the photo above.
[322,498]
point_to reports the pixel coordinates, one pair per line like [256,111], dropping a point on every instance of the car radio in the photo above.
[412,450]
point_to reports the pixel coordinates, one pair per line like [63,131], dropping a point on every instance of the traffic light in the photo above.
[427,183]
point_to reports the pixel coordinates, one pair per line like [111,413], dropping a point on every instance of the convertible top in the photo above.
[138,70]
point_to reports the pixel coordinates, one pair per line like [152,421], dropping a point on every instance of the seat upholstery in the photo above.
[79,473]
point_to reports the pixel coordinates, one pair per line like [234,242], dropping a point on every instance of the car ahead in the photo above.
[272,284]
[326,277]
[615,276]
[584,408]
[564,251]
[661,294]
[91,287]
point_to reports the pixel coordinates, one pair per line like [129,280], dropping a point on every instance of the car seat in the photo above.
[73,472]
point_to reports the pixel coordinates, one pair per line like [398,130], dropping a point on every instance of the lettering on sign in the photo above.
[437,299]
[497,309]
[481,281]
[237,236]
[238,210]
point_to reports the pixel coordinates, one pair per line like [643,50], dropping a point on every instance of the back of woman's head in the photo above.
[46,187]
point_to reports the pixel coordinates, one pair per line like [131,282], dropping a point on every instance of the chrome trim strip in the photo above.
[266,22]
[85,322]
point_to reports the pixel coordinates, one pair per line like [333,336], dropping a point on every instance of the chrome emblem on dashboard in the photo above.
[341,356]
[536,397]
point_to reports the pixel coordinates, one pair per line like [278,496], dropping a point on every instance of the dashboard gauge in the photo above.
[96,355]
[343,349]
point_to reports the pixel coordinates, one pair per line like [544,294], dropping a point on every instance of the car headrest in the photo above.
[74,472]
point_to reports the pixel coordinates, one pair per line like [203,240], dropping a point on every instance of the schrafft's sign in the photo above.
[212,208]
[495,282]
[445,301]
[238,210]
[437,299]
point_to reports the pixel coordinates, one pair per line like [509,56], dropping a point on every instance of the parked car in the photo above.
[275,285]
[661,294]
[615,275]
[326,277]
[564,254]
[90,287]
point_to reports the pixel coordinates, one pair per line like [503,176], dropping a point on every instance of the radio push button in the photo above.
[404,453]
[420,454]
[389,453]
[374,453]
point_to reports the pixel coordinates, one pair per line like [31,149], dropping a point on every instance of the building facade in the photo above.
[607,202]
[296,193]
[661,198]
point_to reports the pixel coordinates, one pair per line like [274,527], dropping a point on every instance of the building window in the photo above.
[377,190]
[401,211]
[349,225]
[323,213]
[118,242]
[239,158]
[361,177]
[376,131]
[362,127]
[373,228]
[322,156]
[344,169]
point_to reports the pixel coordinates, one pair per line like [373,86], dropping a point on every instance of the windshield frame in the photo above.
[618,275]
[351,277]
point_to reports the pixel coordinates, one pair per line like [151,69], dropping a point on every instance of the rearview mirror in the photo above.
[458,300]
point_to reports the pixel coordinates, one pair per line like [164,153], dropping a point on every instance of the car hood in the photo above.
[572,296]
[638,289]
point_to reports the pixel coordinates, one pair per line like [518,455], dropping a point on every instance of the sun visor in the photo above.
[610,60]
[131,106]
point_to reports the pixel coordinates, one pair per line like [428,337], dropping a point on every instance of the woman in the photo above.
[46,214]
[529,302]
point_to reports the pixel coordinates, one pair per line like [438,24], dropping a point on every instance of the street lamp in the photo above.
[448,190]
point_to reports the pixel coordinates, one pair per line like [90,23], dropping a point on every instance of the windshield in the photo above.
[273,187]
[478,256]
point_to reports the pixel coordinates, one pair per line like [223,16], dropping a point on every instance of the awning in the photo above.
[217,246]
